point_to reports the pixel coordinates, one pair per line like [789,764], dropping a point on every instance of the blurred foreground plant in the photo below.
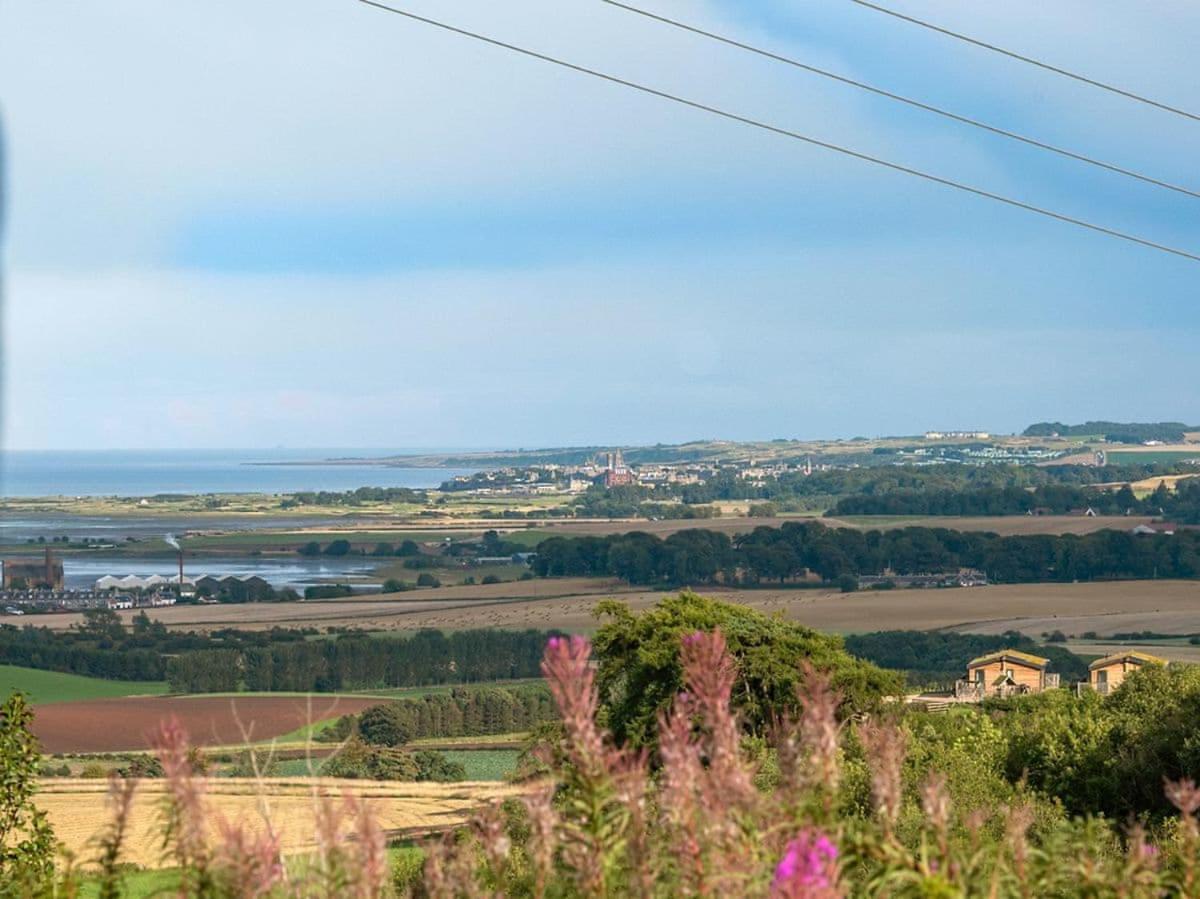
[701,822]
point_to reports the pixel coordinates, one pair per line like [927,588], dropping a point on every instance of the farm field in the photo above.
[567,604]
[77,808]
[362,612]
[1004,525]
[1165,455]
[1171,650]
[530,534]
[113,725]
[1149,485]
[1106,608]
[485,764]
[44,687]
[154,883]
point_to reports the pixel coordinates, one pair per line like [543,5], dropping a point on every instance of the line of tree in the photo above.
[935,658]
[1181,505]
[463,712]
[630,500]
[357,497]
[1113,431]
[881,479]
[90,661]
[359,662]
[798,551]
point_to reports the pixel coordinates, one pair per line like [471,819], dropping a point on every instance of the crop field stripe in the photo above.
[45,687]
[485,764]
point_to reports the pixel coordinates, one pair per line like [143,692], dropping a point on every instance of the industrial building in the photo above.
[33,574]
[133,582]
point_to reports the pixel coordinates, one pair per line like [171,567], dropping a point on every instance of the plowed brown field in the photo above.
[114,725]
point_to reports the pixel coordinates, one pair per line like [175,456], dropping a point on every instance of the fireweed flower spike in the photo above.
[567,669]
[885,746]
[808,869]
[819,732]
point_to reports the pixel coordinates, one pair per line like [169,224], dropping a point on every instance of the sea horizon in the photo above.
[137,472]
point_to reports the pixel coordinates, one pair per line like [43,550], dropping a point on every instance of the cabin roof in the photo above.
[1142,658]
[1014,655]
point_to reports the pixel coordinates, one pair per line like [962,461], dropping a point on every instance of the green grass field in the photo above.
[53,686]
[136,884]
[449,577]
[485,764]
[1116,457]
[529,539]
[143,884]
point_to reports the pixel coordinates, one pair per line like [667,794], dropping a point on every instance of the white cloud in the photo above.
[129,120]
[570,354]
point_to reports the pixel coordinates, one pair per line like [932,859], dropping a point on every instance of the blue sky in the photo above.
[313,223]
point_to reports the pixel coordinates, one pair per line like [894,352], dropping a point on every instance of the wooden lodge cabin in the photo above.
[1005,673]
[1106,674]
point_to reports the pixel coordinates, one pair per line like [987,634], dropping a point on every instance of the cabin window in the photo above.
[1102,676]
[979,675]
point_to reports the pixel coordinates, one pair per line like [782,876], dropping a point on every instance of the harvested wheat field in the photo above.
[1171,607]
[114,725]
[319,613]
[1177,650]
[1107,608]
[77,809]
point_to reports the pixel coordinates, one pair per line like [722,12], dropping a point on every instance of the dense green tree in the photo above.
[357,760]
[102,624]
[436,767]
[796,550]
[639,672]
[211,671]
[384,725]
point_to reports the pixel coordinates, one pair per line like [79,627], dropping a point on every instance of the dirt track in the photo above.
[114,725]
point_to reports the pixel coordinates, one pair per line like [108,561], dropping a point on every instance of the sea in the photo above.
[140,473]
[144,473]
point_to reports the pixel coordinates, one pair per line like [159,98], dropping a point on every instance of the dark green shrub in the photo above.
[383,725]
[436,767]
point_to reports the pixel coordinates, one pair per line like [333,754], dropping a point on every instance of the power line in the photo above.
[945,113]
[745,120]
[1029,59]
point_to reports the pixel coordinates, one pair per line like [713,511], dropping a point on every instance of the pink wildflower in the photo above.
[808,868]
[567,668]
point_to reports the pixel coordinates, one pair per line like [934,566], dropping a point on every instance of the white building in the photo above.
[133,582]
